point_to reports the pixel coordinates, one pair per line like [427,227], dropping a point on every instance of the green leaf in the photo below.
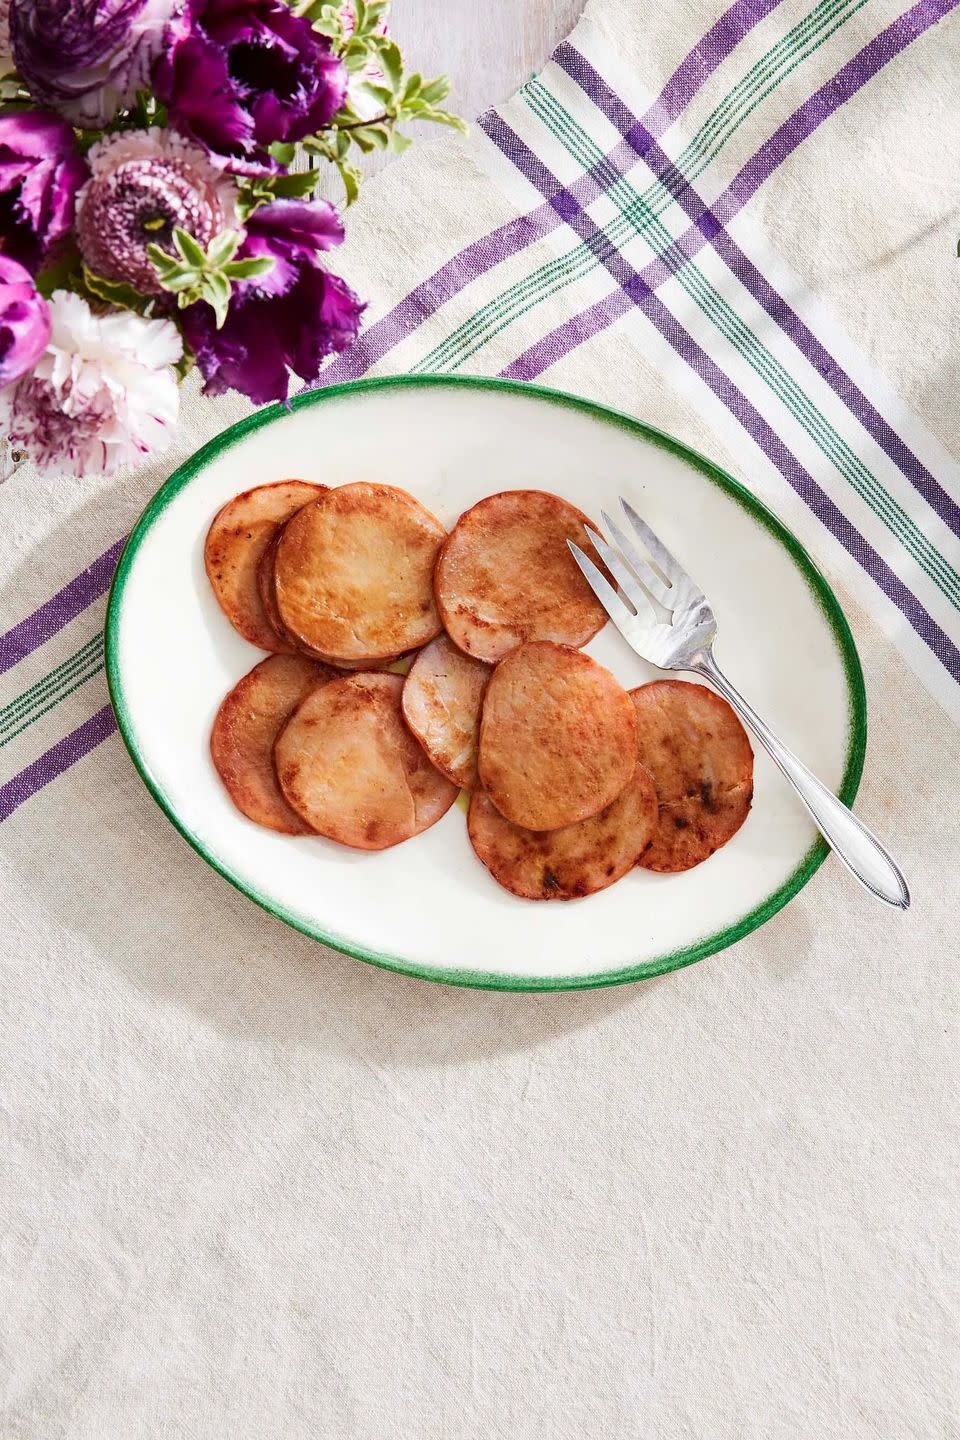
[324,18]
[444,117]
[351,178]
[282,152]
[249,269]
[222,249]
[355,56]
[216,292]
[115,292]
[189,248]
[412,87]
[296,186]
[360,11]
[392,63]
[186,363]
[58,275]
[248,200]
[435,90]
[380,93]
[400,142]
[163,263]
[180,283]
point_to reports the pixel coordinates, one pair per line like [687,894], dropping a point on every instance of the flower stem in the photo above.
[362,124]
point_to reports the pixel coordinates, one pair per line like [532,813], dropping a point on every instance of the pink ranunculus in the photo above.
[143,185]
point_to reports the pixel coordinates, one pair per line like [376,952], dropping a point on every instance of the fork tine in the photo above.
[622,617]
[647,574]
[668,563]
[627,582]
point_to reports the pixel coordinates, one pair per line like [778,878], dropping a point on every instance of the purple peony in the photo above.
[40,174]
[24,322]
[88,58]
[266,336]
[241,74]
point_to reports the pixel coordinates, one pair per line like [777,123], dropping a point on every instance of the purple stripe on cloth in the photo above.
[613,108]
[805,485]
[710,52]
[566,337]
[834,93]
[60,609]
[484,254]
[636,292]
[58,758]
[848,80]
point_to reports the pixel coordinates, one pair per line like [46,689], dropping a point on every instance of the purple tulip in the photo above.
[266,336]
[40,174]
[241,74]
[24,322]
[289,232]
[88,58]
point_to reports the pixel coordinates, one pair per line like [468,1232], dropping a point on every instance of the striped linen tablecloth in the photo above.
[742,227]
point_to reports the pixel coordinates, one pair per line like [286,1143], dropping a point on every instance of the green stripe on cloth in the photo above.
[35,695]
[82,679]
[558,121]
[796,46]
[555,275]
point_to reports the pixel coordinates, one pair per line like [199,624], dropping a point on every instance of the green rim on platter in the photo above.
[659,965]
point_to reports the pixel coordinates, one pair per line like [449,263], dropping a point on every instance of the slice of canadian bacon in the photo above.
[701,761]
[350,768]
[236,540]
[505,575]
[268,594]
[442,699]
[265,584]
[353,574]
[574,861]
[557,737]
[245,729]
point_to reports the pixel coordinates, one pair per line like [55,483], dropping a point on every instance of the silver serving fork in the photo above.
[685,642]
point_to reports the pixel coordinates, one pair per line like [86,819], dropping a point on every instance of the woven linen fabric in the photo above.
[251,1187]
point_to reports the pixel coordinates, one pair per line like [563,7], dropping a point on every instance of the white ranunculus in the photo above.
[102,395]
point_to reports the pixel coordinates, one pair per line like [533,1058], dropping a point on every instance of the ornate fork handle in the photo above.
[850,839]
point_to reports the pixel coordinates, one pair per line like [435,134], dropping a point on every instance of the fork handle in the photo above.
[847,836]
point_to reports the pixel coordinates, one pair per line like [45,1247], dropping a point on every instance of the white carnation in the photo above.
[102,395]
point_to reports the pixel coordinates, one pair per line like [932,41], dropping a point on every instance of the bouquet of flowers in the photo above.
[158,167]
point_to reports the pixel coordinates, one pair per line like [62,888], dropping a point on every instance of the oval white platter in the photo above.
[428,907]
